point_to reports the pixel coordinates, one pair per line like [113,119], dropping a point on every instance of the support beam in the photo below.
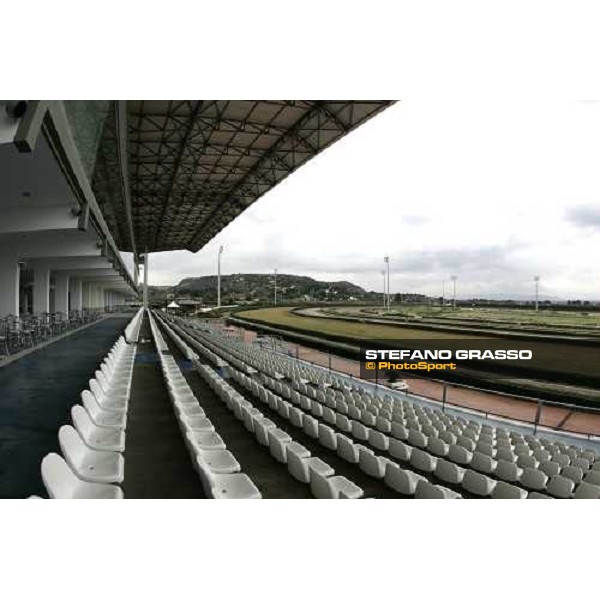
[9,286]
[146,280]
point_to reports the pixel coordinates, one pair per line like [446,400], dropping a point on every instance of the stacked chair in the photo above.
[92,464]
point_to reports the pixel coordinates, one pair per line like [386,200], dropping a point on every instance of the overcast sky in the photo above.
[494,191]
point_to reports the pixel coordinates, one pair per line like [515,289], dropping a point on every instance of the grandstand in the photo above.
[102,401]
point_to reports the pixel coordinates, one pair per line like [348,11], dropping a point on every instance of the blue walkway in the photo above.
[36,395]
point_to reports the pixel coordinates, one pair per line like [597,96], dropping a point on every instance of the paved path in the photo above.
[36,395]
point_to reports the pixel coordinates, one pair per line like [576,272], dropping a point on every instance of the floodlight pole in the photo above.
[219,277]
[386,259]
[443,294]
[383,273]
[275,289]
[454,278]
[537,291]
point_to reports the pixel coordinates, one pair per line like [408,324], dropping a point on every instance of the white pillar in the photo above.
[87,294]
[41,289]
[76,288]
[9,284]
[61,293]
[146,280]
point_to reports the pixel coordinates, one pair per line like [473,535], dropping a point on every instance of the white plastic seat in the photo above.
[61,483]
[506,454]
[459,455]
[333,488]
[343,422]
[103,417]
[428,491]
[417,439]
[103,400]
[234,486]
[359,431]
[297,461]
[482,463]
[527,462]
[347,449]
[560,487]
[575,474]
[549,467]
[278,441]
[383,424]
[437,446]
[197,423]
[371,464]
[422,460]
[592,477]
[449,472]
[97,466]
[200,440]
[507,471]
[587,491]
[538,496]
[261,430]
[296,417]
[218,461]
[533,479]
[403,481]
[507,491]
[330,416]
[398,449]
[311,426]
[98,438]
[399,431]
[327,437]
[379,440]
[477,483]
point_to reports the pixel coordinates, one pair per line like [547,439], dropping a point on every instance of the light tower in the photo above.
[219,277]
[454,278]
[536,279]
[275,289]
[383,275]
[386,259]
[443,293]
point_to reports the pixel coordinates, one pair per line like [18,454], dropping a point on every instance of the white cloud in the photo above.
[494,189]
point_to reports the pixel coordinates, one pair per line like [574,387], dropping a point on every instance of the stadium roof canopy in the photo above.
[195,165]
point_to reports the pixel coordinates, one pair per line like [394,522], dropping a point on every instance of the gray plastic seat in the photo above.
[327,437]
[437,446]
[449,472]
[575,474]
[399,450]
[459,454]
[428,491]
[371,464]
[478,484]
[482,463]
[403,481]
[507,471]
[534,479]
[507,491]
[347,449]
[549,467]
[587,491]
[422,460]
[560,487]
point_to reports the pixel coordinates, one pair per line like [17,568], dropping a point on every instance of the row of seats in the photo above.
[93,447]
[401,480]
[535,480]
[132,331]
[301,464]
[493,441]
[219,471]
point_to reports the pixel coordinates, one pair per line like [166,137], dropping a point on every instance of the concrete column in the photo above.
[61,293]
[87,294]
[41,289]
[76,294]
[146,261]
[9,284]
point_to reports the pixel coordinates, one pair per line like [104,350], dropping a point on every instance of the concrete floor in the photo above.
[157,462]
[36,395]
